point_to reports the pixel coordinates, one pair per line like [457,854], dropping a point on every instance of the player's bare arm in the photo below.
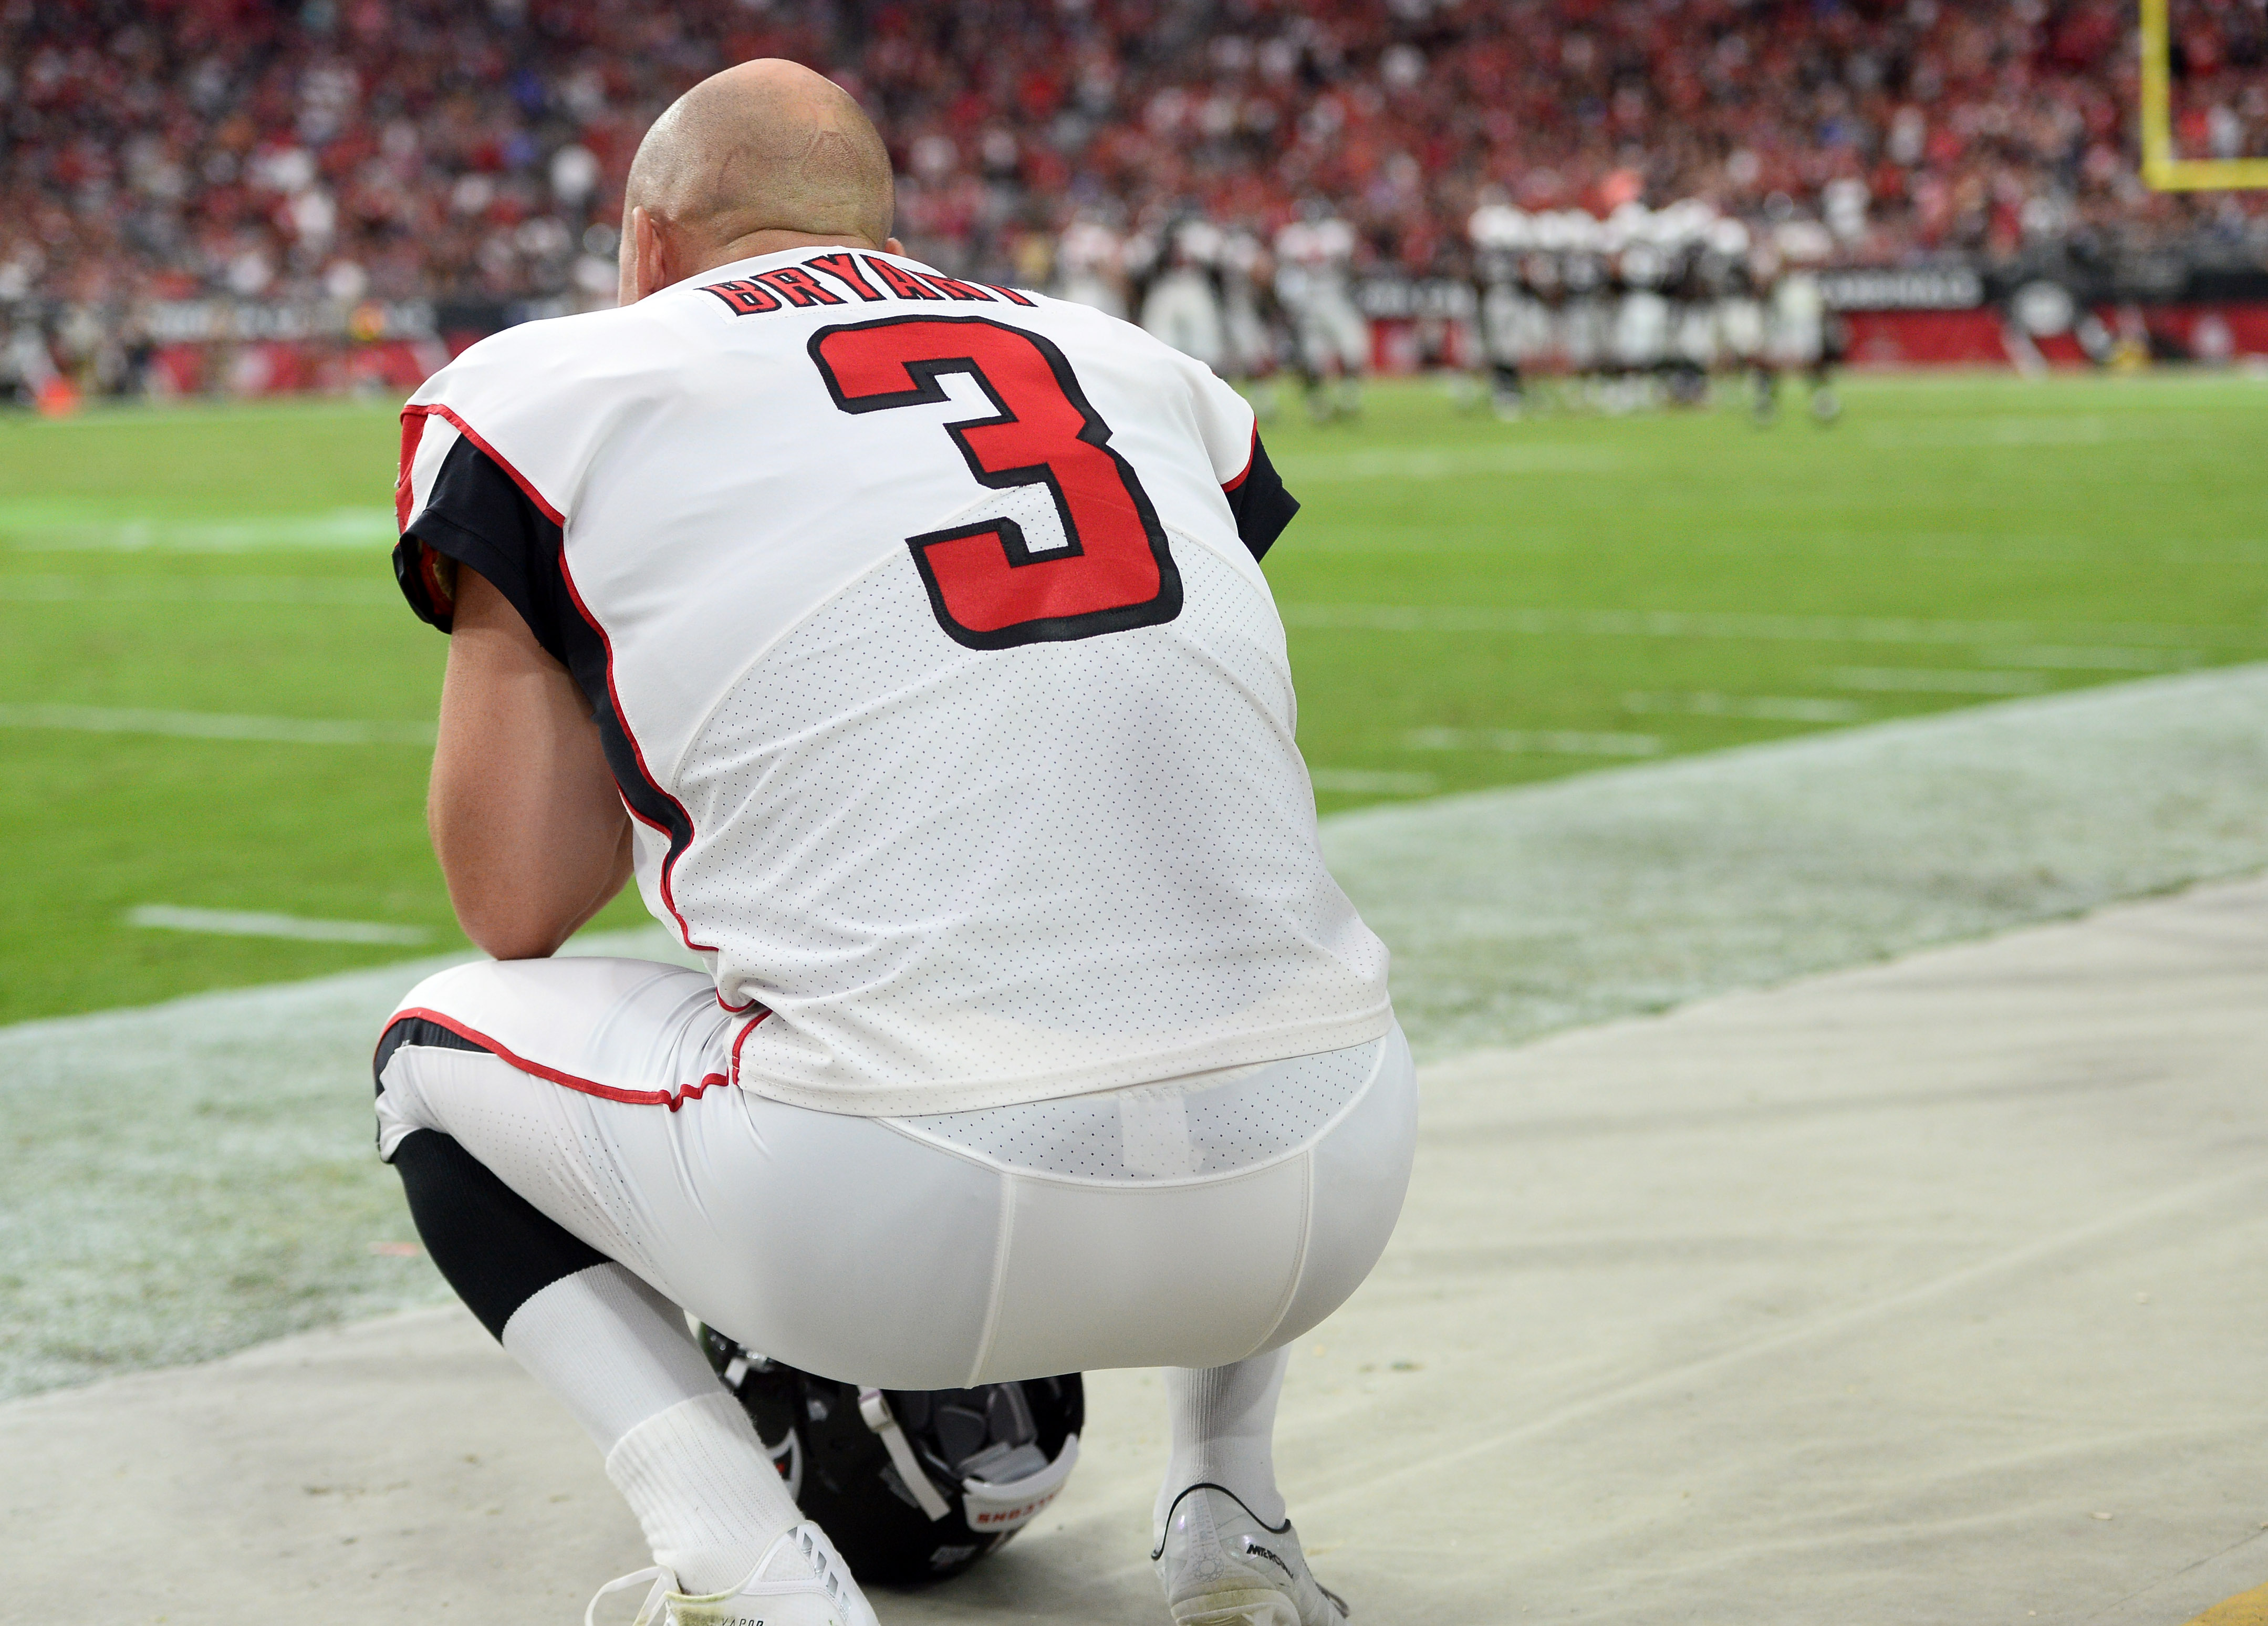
[529,828]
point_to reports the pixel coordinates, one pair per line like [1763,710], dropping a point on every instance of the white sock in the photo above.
[707,1497]
[1224,1425]
[678,1446]
[613,1349]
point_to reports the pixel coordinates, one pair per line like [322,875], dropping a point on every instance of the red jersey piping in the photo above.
[671,1099]
[1250,456]
[435,409]
[622,718]
[741,1039]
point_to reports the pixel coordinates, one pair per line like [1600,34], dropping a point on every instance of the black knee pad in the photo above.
[493,1246]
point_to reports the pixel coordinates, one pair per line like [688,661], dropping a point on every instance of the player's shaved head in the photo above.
[767,146]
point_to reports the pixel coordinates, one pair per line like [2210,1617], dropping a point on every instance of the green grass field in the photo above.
[211,698]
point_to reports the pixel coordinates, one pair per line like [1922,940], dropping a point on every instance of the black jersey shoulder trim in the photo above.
[590,659]
[1263,507]
[483,518]
[481,514]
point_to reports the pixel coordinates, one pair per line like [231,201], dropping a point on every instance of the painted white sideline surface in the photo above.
[247,923]
[1516,912]
[1862,1299]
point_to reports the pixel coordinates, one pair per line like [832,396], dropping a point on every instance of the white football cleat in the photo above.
[1220,1566]
[800,1581]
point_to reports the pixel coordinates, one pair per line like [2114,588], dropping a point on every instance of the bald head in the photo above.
[764,150]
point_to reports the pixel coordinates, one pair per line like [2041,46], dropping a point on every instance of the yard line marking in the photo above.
[243,923]
[1753,707]
[2100,659]
[45,589]
[1931,680]
[57,527]
[215,726]
[1995,432]
[1535,742]
[1418,463]
[1702,624]
[1363,783]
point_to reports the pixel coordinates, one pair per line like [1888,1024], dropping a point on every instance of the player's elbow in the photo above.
[515,940]
[511,908]
[509,928]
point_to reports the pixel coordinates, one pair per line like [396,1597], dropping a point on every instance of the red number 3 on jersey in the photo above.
[989,590]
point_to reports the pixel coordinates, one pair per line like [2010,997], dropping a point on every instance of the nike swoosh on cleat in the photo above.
[1251,1546]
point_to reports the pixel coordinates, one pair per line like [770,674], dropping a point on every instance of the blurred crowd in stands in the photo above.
[465,150]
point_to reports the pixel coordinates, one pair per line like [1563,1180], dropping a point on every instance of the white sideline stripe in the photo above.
[242,923]
[1535,742]
[215,726]
[1751,707]
[1982,432]
[50,589]
[1794,628]
[1932,680]
[2064,658]
[47,527]
[1365,782]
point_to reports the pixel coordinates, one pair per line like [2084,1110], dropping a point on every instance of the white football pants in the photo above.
[1333,336]
[1191,1222]
[1183,310]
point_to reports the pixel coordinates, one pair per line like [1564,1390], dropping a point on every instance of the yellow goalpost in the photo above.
[2161,169]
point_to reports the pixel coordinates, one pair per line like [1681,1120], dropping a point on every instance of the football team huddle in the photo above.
[1565,310]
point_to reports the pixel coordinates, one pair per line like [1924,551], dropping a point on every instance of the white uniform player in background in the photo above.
[907,640]
[1247,292]
[1515,325]
[1090,266]
[1684,234]
[1641,321]
[1729,269]
[1797,316]
[1314,271]
[1585,312]
[1180,306]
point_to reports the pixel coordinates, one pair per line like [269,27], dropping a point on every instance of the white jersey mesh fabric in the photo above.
[1200,1128]
[973,877]
[958,872]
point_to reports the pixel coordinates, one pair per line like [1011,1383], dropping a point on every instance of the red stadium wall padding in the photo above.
[1924,339]
[280,366]
[2062,350]
[2208,332]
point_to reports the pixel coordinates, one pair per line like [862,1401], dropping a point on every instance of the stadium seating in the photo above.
[408,148]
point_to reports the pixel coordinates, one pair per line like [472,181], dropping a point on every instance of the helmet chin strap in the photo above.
[876,1411]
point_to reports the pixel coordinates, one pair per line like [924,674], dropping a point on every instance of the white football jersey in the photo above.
[926,631]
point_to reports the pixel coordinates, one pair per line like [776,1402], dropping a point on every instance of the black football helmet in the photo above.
[911,1485]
